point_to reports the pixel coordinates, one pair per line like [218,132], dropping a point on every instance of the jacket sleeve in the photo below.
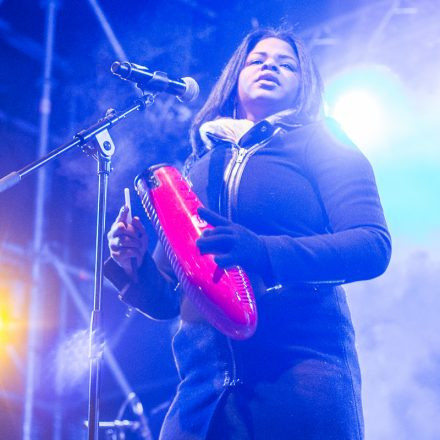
[156,293]
[357,245]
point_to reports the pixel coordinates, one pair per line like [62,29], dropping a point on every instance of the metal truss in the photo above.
[381,29]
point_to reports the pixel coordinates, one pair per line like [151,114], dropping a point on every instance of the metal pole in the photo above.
[36,291]
[96,344]
[58,407]
[117,47]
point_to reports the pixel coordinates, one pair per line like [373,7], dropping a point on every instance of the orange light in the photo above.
[12,313]
[13,330]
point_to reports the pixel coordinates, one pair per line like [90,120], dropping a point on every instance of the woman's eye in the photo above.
[289,66]
[255,62]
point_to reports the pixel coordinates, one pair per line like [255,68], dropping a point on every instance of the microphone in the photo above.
[185,89]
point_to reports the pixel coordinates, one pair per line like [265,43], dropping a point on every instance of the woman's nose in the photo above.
[270,65]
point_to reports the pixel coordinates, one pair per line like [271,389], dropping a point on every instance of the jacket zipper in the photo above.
[232,178]
[231,379]
[234,172]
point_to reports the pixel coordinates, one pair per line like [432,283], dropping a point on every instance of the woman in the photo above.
[298,209]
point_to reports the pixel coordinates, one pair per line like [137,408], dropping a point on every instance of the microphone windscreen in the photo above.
[192,90]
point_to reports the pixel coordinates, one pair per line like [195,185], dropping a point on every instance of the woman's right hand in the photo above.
[127,240]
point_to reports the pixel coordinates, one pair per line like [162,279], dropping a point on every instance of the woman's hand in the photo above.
[232,244]
[127,241]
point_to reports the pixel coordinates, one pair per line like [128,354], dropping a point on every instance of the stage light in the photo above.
[361,116]
[12,322]
[13,330]
[368,102]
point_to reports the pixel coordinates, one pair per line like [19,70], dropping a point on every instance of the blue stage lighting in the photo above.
[368,103]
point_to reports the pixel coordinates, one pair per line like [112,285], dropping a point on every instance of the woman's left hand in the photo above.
[232,244]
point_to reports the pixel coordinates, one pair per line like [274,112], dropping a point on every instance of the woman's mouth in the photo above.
[268,78]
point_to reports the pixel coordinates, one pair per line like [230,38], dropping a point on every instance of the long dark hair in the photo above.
[221,101]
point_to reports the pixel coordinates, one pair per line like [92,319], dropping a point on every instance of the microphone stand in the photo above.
[96,142]
[79,140]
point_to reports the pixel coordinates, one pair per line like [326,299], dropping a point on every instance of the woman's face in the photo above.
[269,81]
